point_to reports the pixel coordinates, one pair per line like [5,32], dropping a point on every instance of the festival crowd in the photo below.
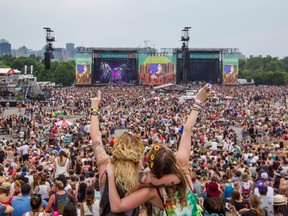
[222,151]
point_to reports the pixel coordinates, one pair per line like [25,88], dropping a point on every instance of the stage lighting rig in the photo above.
[185,52]
[48,55]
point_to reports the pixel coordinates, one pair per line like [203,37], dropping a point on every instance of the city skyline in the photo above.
[255,27]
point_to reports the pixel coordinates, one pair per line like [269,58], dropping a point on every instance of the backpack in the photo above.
[246,189]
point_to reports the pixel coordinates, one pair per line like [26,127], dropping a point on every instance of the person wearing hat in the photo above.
[246,186]
[214,202]
[5,197]
[270,190]
[284,176]
[266,199]
[280,205]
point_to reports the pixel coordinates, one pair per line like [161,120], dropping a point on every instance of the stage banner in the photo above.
[230,69]
[114,55]
[157,70]
[83,68]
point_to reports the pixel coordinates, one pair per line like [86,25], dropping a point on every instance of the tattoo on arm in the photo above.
[98,149]
[103,161]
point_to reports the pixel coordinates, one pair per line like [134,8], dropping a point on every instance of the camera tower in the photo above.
[185,52]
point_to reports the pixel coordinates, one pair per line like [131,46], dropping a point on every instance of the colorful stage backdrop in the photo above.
[230,69]
[83,68]
[157,70]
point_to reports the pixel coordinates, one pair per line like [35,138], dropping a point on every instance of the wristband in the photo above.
[198,105]
[196,109]
[197,101]
[94,110]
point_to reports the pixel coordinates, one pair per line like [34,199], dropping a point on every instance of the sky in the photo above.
[256,27]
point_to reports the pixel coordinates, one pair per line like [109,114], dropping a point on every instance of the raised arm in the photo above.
[147,179]
[133,200]
[102,159]
[183,153]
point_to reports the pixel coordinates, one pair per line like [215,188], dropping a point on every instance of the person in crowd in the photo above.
[69,210]
[238,202]
[173,200]
[59,199]
[21,203]
[6,209]
[280,205]
[90,206]
[214,203]
[5,197]
[255,209]
[61,164]
[43,188]
[36,206]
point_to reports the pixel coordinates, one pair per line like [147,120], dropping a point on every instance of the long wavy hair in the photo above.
[127,153]
[161,162]
[255,202]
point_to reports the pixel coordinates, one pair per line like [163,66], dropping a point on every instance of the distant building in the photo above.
[21,51]
[5,48]
[37,53]
[70,51]
[59,54]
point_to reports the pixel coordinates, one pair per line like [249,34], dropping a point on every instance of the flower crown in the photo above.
[152,156]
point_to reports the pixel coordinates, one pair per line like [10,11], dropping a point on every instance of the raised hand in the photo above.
[203,93]
[96,100]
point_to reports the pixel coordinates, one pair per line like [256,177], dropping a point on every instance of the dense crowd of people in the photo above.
[222,151]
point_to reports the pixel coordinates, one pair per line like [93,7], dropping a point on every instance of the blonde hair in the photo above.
[127,153]
[255,205]
[229,173]
[59,185]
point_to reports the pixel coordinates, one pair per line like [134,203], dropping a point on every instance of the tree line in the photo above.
[60,73]
[264,70]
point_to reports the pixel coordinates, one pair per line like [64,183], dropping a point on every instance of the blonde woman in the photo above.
[255,209]
[127,153]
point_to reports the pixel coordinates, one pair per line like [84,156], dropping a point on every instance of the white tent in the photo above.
[8,71]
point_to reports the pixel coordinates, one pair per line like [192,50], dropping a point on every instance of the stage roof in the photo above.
[149,49]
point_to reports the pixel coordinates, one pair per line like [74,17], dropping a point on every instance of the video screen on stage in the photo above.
[157,70]
[83,68]
[230,69]
[116,71]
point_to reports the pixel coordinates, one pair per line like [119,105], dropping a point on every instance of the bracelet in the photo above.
[94,110]
[197,106]
[196,109]
[197,101]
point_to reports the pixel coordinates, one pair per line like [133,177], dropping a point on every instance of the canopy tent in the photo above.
[8,71]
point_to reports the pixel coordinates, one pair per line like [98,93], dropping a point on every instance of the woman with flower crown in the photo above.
[174,200]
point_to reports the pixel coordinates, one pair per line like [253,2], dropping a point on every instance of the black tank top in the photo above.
[105,209]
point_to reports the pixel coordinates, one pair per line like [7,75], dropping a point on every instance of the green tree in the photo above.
[285,63]
[64,73]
